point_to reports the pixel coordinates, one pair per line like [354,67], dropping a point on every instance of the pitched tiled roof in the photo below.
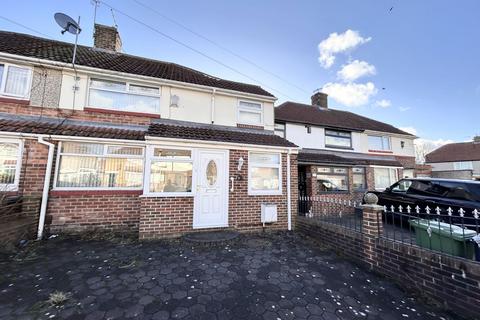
[164,129]
[462,151]
[183,130]
[308,114]
[35,47]
[344,158]
[68,128]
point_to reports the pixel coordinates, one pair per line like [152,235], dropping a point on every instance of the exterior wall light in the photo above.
[240,163]
[402,144]
[174,101]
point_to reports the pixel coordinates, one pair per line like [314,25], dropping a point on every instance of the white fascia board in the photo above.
[216,144]
[391,167]
[129,76]
[383,133]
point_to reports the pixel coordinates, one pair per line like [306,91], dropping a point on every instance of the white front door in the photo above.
[211,198]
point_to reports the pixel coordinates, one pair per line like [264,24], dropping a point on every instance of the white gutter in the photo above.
[46,186]
[173,83]
[289,195]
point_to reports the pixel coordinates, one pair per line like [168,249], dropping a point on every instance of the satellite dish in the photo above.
[67,23]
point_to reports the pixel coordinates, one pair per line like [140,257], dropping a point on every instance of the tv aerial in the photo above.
[71,26]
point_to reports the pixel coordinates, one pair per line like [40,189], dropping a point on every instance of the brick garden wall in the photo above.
[450,281]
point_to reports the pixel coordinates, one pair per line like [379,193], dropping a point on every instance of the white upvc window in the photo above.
[280,129]
[463,165]
[264,173]
[123,96]
[250,112]
[384,177]
[15,81]
[10,164]
[169,172]
[94,166]
[379,143]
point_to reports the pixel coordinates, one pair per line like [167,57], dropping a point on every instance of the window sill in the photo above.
[338,147]
[167,195]
[6,188]
[129,113]
[265,193]
[381,151]
[14,100]
[82,192]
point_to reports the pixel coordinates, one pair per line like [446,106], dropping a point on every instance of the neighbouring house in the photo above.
[456,160]
[130,144]
[343,154]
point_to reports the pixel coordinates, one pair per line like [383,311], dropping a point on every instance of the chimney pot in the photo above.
[320,99]
[107,38]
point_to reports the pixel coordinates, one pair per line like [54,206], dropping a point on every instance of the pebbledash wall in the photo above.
[127,211]
[450,281]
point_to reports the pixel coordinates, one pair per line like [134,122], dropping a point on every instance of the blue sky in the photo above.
[424,53]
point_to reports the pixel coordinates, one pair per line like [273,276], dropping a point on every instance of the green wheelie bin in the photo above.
[444,237]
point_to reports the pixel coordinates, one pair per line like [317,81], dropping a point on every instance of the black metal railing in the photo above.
[450,231]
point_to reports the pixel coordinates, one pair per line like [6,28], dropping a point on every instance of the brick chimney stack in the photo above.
[107,38]
[320,99]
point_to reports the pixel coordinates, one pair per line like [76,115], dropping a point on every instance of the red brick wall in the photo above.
[407,162]
[77,211]
[162,217]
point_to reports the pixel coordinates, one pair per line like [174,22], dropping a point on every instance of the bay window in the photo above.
[332,179]
[99,166]
[170,171]
[15,81]
[123,96]
[338,139]
[384,177]
[379,143]
[10,160]
[264,173]
[250,113]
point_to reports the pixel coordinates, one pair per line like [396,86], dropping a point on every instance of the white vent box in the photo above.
[269,213]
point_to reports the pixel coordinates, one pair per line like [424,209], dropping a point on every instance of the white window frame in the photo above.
[3,82]
[14,186]
[381,137]
[127,84]
[333,146]
[103,155]
[462,165]
[264,165]
[390,168]
[247,109]
[148,167]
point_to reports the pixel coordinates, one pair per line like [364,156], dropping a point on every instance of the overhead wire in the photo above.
[156,30]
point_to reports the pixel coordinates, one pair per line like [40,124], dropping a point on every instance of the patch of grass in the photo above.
[58,298]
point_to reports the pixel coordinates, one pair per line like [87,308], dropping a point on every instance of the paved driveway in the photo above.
[278,276]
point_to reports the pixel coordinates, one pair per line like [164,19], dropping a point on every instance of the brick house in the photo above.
[343,154]
[459,160]
[129,144]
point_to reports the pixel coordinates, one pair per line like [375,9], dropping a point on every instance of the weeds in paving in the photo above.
[58,298]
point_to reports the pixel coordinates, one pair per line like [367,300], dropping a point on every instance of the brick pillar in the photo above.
[372,228]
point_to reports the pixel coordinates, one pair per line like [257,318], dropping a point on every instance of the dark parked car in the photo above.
[431,192]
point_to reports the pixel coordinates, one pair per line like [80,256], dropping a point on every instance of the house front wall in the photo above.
[135,212]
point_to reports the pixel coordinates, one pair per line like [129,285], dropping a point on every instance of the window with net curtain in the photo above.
[171,171]
[14,80]
[250,113]
[9,157]
[99,166]
[384,177]
[264,172]
[123,96]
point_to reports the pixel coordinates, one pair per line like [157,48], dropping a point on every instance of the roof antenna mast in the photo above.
[95,4]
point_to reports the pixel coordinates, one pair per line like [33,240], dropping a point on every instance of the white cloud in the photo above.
[384,103]
[350,94]
[336,43]
[411,130]
[403,109]
[356,69]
